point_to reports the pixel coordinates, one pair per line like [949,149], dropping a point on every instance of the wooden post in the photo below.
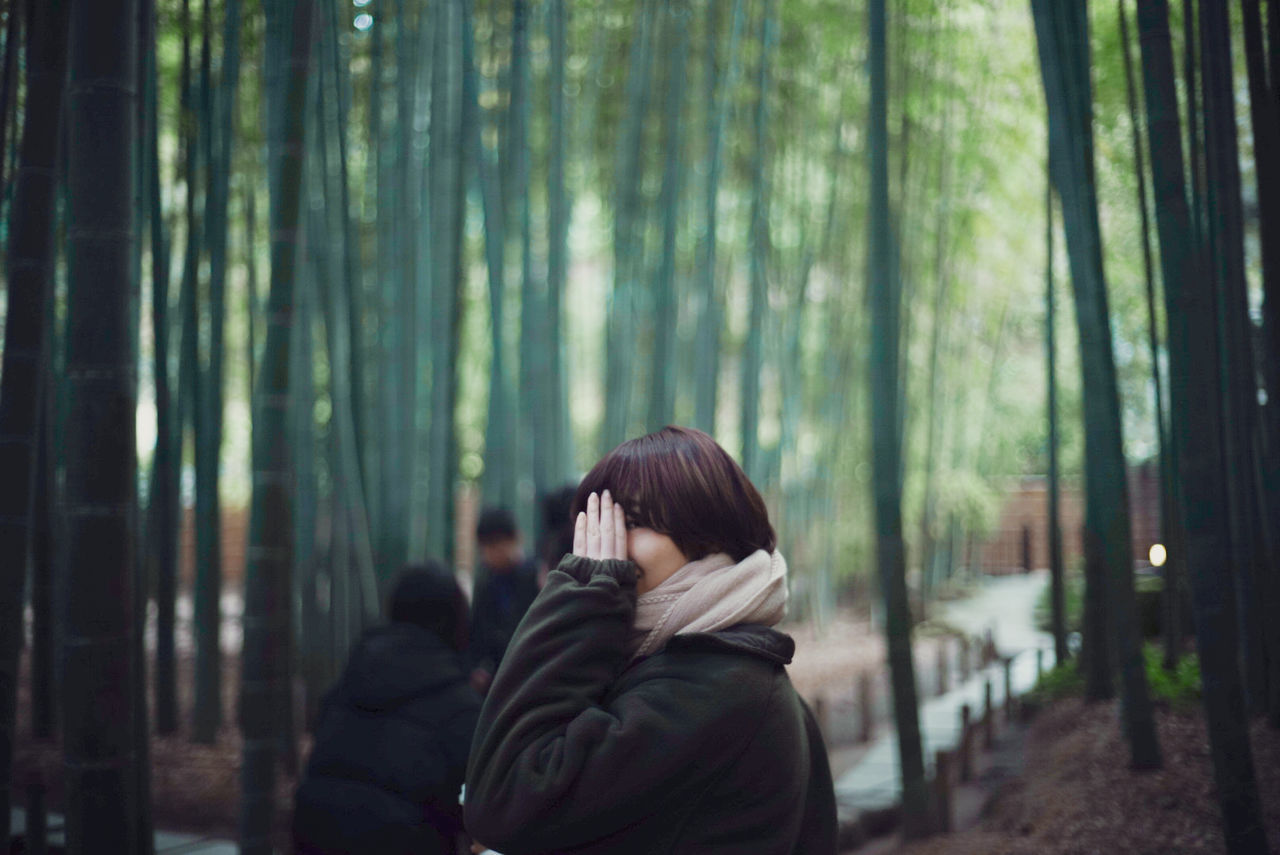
[1039,663]
[942,789]
[966,743]
[866,714]
[1008,689]
[37,820]
[964,659]
[988,647]
[942,666]
[988,719]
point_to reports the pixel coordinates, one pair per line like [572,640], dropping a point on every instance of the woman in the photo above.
[391,744]
[643,706]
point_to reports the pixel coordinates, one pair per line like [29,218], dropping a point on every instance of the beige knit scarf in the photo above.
[709,594]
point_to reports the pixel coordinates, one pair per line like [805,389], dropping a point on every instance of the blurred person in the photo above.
[506,584]
[644,705]
[557,528]
[391,744]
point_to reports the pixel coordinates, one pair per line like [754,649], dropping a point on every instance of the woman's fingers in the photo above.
[593,526]
[619,532]
[580,534]
[601,531]
[606,526]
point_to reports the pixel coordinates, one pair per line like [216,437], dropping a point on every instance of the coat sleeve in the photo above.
[556,764]
[819,830]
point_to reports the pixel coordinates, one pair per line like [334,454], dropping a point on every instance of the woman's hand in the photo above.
[600,532]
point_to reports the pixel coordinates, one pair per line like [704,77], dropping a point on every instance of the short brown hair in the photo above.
[679,482]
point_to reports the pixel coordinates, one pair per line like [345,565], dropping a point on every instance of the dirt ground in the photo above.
[194,788]
[1075,795]
[832,655]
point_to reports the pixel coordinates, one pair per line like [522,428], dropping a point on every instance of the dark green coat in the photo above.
[703,747]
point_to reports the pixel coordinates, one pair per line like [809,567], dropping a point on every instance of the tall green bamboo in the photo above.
[379,222]
[662,373]
[253,305]
[404,282]
[1195,117]
[556,459]
[309,623]
[1057,570]
[1062,34]
[144,120]
[1273,43]
[933,424]
[707,343]
[628,232]
[266,617]
[447,164]
[531,439]
[208,581]
[101,449]
[1069,106]
[902,209]
[163,512]
[511,137]
[1167,532]
[8,92]
[1224,229]
[29,270]
[206,711]
[885,294]
[391,168]
[19,29]
[336,303]
[422,354]
[43,644]
[498,487]
[758,242]
[351,281]
[1193,381]
[1264,111]
[1264,114]
[190,143]
[1271,284]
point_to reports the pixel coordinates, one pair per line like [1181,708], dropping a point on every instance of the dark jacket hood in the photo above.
[397,663]
[755,640]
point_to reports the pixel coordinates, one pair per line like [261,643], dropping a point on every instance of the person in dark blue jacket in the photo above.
[391,745]
[506,584]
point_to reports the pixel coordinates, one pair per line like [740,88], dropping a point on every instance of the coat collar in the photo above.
[755,640]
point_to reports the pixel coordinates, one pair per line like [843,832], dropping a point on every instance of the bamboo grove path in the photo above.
[1005,605]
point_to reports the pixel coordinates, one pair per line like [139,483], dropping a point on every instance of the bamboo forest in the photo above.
[983,296]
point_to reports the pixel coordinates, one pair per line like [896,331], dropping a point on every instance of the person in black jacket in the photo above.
[391,746]
[506,584]
[644,705]
[557,530]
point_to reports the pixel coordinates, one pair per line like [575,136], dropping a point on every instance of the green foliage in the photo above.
[1062,681]
[1180,687]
